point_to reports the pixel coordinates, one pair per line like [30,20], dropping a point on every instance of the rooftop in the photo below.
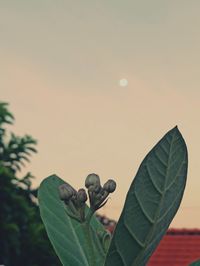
[179,247]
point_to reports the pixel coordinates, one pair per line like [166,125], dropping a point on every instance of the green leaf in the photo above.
[151,203]
[72,241]
[196,263]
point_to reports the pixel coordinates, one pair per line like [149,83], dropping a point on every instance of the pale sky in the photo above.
[60,66]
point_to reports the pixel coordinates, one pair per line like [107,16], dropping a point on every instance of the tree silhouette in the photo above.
[23,239]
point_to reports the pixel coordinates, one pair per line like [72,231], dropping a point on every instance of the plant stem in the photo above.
[89,215]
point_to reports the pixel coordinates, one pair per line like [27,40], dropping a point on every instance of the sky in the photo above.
[61,63]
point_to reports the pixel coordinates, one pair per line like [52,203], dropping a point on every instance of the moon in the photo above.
[123,82]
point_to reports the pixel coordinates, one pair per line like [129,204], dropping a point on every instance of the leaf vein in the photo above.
[152,180]
[142,208]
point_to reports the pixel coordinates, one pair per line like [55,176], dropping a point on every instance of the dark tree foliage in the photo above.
[23,239]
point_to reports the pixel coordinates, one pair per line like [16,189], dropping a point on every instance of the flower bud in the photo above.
[110,186]
[91,180]
[95,188]
[66,192]
[82,196]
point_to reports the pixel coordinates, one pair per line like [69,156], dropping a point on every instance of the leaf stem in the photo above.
[90,244]
[89,215]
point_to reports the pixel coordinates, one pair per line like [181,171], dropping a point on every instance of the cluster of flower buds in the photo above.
[75,200]
[97,193]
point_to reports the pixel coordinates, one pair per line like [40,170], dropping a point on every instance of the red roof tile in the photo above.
[179,247]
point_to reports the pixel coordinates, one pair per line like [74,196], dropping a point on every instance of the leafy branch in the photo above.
[151,203]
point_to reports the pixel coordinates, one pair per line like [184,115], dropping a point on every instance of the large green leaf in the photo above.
[152,201]
[68,237]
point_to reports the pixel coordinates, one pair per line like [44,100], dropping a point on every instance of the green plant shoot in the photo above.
[151,203]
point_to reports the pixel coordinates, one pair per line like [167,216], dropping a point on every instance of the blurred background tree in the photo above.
[23,239]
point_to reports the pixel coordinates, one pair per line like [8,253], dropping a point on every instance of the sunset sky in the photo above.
[60,67]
